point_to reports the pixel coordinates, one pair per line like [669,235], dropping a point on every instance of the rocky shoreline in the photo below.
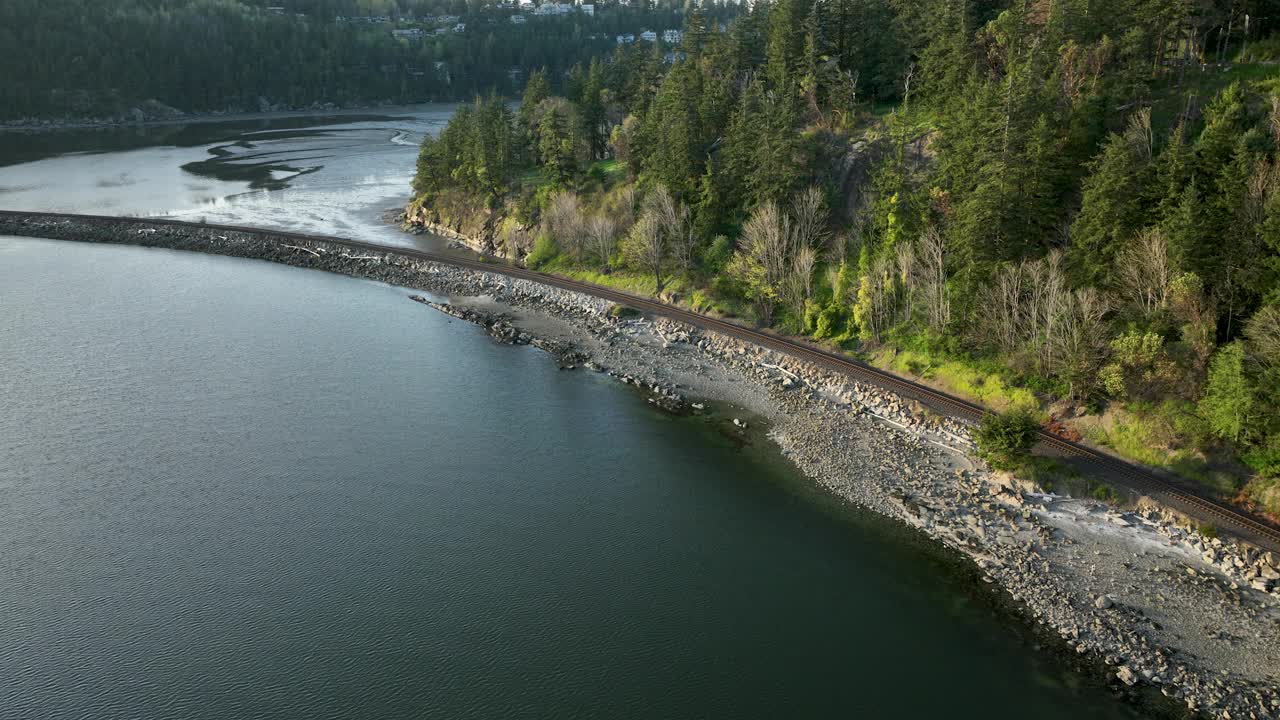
[1196,618]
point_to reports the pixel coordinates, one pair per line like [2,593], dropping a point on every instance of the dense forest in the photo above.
[81,58]
[1066,206]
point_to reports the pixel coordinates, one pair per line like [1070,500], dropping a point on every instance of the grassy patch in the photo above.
[1130,436]
[607,168]
[687,292]
[1154,436]
[972,381]
[1047,472]
[534,178]
[1265,492]
[632,282]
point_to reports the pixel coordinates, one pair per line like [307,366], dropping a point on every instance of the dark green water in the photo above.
[230,489]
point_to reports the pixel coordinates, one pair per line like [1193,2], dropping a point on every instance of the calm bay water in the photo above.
[233,489]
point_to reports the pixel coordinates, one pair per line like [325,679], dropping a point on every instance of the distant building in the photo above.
[460,28]
[275,9]
[517,19]
[671,36]
[589,9]
[624,39]
[553,8]
[411,33]
[649,36]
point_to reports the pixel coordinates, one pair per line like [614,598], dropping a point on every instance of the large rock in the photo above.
[1126,675]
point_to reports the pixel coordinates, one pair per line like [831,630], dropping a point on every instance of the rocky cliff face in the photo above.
[466,220]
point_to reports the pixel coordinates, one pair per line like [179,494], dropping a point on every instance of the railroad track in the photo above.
[1119,471]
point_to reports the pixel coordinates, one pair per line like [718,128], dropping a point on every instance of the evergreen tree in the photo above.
[556,148]
[593,110]
[1112,207]
[785,46]
[535,91]
[674,133]
[1229,405]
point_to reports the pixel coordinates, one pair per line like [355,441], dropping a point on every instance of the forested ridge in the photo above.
[86,58]
[1066,206]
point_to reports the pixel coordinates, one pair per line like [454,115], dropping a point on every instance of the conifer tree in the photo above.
[1112,207]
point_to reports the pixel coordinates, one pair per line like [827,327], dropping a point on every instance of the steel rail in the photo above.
[1127,474]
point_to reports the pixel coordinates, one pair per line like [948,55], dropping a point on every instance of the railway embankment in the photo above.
[1174,617]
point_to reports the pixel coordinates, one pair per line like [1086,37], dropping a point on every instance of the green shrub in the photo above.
[717,255]
[700,301]
[544,251]
[1005,440]
[1106,494]
[831,322]
[1207,530]
[1265,460]
[1229,403]
[1265,491]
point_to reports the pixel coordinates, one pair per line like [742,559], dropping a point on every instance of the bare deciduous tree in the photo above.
[620,204]
[1263,184]
[763,257]
[1002,309]
[1197,318]
[663,206]
[674,219]
[809,212]
[1143,273]
[875,307]
[1263,334]
[1273,119]
[1080,339]
[1047,282]
[563,219]
[905,265]
[798,286]
[931,258]
[1028,310]
[766,238]
[1138,133]
[646,247]
[602,237]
